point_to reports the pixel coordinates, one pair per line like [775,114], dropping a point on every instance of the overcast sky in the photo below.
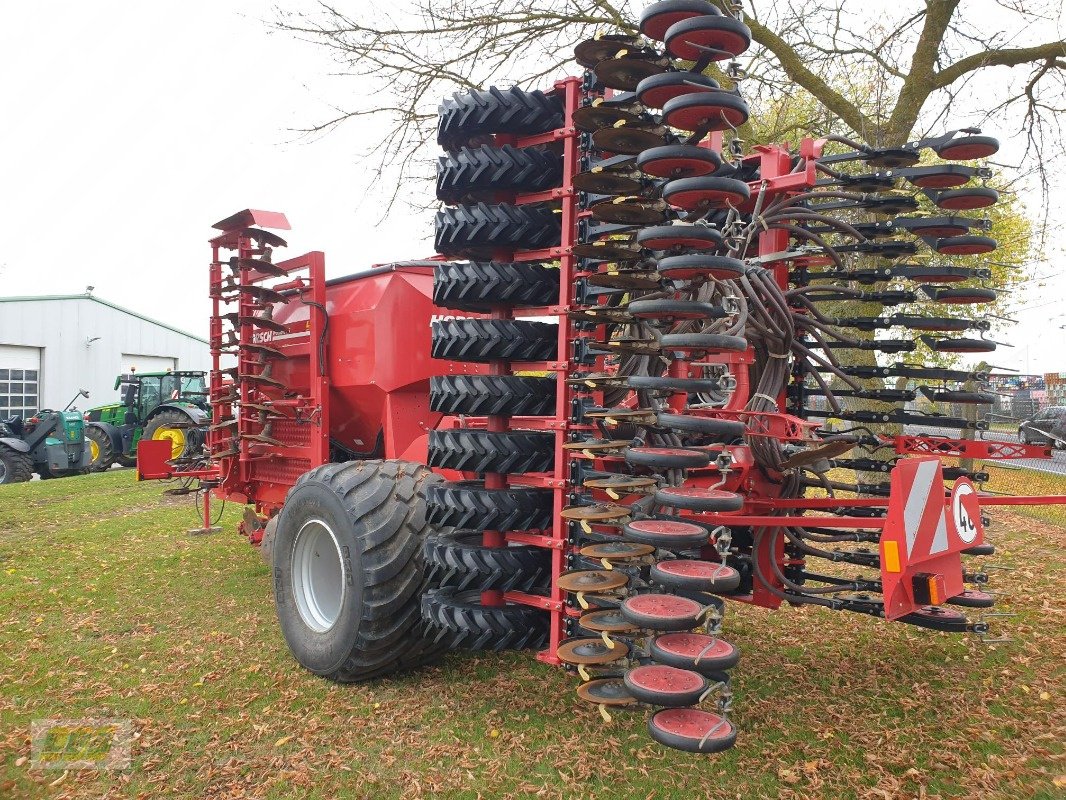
[130,127]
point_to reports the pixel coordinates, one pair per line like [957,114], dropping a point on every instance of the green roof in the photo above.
[103,302]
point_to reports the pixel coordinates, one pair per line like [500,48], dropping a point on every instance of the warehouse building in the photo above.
[52,346]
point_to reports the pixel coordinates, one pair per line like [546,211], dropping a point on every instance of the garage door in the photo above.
[20,388]
[141,363]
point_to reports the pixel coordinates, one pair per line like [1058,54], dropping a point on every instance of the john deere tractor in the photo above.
[154,405]
[50,443]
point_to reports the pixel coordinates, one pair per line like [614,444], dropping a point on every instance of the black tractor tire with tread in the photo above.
[468,115]
[171,418]
[475,450]
[462,622]
[105,449]
[481,228]
[378,512]
[484,340]
[477,173]
[478,286]
[469,505]
[460,560]
[500,395]
[17,467]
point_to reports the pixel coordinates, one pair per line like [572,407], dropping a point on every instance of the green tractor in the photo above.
[50,443]
[154,405]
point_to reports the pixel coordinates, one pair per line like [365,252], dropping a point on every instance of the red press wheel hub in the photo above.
[692,729]
[664,612]
[668,534]
[662,685]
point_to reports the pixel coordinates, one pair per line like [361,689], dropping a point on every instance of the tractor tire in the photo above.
[15,467]
[174,420]
[482,229]
[101,448]
[483,340]
[478,286]
[349,569]
[469,505]
[473,450]
[484,395]
[459,560]
[478,173]
[126,461]
[470,115]
[462,622]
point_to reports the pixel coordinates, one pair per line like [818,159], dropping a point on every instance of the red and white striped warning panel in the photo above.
[925,531]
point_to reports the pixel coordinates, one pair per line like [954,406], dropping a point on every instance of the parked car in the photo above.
[1047,426]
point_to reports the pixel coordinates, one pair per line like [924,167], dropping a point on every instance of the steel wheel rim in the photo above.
[94,451]
[176,437]
[317,575]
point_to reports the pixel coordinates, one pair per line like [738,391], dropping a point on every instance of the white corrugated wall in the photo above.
[82,342]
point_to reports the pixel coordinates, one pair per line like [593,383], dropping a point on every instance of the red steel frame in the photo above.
[234,475]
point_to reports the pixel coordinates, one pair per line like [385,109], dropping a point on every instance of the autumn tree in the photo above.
[939,61]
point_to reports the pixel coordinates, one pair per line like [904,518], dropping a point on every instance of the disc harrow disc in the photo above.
[592,118]
[606,692]
[625,279]
[621,483]
[608,250]
[599,513]
[629,211]
[626,72]
[606,620]
[627,139]
[604,182]
[667,534]
[591,52]
[590,651]
[592,581]
[617,550]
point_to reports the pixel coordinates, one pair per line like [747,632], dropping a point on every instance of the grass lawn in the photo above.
[110,610]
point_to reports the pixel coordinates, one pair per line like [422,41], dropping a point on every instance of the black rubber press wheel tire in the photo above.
[349,571]
[483,170]
[460,560]
[473,450]
[657,18]
[469,505]
[469,115]
[480,229]
[501,395]
[663,685]
[724,430]
[692,730]
[478,286]
[462,622]
[484,340]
